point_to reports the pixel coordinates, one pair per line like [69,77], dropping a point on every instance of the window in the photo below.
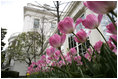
[71,41]
[53,24]
[36,23]
[78,46]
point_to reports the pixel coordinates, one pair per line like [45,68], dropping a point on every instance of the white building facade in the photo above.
[36,19]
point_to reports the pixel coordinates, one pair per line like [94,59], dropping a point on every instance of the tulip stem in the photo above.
[102,35]
[65,62]
[63,57]
[114,13]
[82,44]
[94,49]
[112,21]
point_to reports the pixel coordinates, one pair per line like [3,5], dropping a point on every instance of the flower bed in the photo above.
[99,60]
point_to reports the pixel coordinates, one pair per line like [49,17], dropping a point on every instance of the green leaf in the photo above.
[115,42]
[89,65]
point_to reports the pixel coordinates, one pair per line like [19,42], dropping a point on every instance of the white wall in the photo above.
[20,67]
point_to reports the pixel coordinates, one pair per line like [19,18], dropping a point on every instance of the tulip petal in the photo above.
[100,18]
[101,7]
[85,3]
[63,37]
[91,21]
[78,21]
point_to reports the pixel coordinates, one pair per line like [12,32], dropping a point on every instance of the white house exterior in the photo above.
[35,18]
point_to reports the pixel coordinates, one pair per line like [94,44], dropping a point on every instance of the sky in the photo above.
[11,15]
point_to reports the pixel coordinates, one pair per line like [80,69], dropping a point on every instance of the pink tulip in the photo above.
[87,56]
[56,57]
[115,50]
[66,25]
[57,40]
[29,68]
[111,29]
[77,58]
[98,46]
[50,58]
[57,53]
[68,59]
[60,63]
[111,46]
[113,37]
[33,63]
[101,7]
[53,64]
[50,51]
[91,21]
[73,51]
[43,58]
[78,21]
[82,35]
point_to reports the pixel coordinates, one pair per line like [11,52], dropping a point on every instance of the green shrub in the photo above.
[9,74]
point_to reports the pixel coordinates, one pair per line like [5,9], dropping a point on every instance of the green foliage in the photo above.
[25,47]
[104,65]
[9,74]
[3,33]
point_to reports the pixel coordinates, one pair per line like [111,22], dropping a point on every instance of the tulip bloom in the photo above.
[111,46]
[50,51]
[82,35]
[87,55]
[68,59]
[66,25]
[57,53]
[91,21]
[113,37]
[101,7]
[57,40]
[98,46]
[111,29]
[73,51]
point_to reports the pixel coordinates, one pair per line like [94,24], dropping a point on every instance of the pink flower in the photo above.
[98,46]
[77,58]
[82,35]
[101,7]
[68,59]
[87,55]
[56,57]
[73,51]
[115,50]
[60,63]
[53,64]
[50,58]
[50,51]
[43,58]
[91,21]
[66,25]
[57,53]
[57,40]
[111,46]
[113,37]
[111,29]
[78,21]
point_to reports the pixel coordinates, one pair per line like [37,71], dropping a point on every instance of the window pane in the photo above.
[36,23]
